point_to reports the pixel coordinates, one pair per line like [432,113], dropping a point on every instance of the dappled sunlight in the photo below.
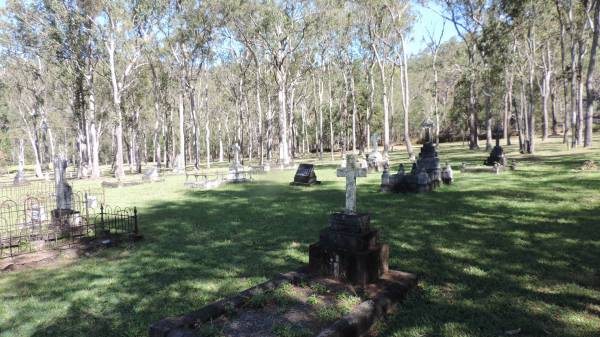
[489,249]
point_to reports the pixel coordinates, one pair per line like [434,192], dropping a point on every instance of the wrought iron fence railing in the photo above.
[31,222]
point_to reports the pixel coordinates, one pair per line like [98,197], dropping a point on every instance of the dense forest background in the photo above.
[177,82]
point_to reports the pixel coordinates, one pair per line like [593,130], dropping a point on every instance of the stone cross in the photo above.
[351,172]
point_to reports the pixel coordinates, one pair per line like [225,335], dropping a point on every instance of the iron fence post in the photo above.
[135,221]
[101,219]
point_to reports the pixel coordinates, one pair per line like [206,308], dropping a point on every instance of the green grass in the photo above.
[519,250]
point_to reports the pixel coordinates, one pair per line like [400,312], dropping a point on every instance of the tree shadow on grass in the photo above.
[491,258]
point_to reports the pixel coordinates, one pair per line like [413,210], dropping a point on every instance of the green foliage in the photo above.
[284,294]
[328,313]
[288,330]
[319,288]
[346,302]
[314,300]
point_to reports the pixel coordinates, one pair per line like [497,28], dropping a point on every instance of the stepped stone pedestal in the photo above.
[349,250]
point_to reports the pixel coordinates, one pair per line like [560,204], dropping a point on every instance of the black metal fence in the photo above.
[30,222]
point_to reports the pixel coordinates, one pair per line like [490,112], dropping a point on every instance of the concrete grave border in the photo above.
[383,296]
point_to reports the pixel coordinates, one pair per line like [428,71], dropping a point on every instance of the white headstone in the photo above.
[151,174]
[375,142]
[179,164]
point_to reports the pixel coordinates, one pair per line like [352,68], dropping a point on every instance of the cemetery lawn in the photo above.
[514,254]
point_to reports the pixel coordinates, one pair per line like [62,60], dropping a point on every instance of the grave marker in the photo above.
[305,175]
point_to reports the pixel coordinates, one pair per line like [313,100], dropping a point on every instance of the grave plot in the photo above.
[207,180]
[496,162]
[425,174]
[346,287]
[293,304]
[45,216]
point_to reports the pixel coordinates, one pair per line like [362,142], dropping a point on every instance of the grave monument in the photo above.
[236,169]
[497,154]
[305,176]
[375,159]
[19,178]
[151,174]
[179,165]
[426,172]
[447,175]
[63,214]
[349,249]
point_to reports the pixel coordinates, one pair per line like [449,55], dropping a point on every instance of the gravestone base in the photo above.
[349,251]
[311,183]
[66,222]
[355,267]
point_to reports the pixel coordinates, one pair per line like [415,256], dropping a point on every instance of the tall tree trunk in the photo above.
[354,112]
[331,131]
[284,158]
[565,81]
[207,125]
[386,124]
[195,133]
[320,118]
[589,86]
[371,107]
[405,91]
[269,128]
[488,120]
[181,131]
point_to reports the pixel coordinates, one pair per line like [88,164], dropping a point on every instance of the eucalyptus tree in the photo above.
[191,28]
[123,29]
[468,17]
[28,53]
[281,28]
[589,83]
[401,20]
[380,30]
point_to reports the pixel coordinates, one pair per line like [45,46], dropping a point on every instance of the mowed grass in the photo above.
[514,254]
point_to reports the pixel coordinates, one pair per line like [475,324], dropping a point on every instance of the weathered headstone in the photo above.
[20,176]
[151,174]
[497,154]
[305,175]
[349,250]
[426,172]
[385,178]
[428,157]
[64,191]
[447,175]
[179,165]
[375,159]
[236,169]
[63,215]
